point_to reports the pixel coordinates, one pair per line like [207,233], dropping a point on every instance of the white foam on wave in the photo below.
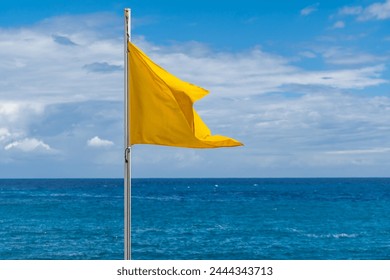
[332,235]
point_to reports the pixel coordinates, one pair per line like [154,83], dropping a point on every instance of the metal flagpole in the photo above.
[127,179]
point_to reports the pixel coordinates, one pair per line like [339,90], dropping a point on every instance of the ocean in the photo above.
[275,219]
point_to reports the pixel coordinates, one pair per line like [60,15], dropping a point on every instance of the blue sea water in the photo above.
[196,218]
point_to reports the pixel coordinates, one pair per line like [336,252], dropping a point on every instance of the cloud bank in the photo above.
[63,84]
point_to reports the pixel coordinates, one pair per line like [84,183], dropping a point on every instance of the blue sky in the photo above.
[304,84]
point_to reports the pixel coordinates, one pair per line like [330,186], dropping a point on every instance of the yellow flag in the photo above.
[161,108]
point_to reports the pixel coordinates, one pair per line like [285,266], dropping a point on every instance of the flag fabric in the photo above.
[161,108]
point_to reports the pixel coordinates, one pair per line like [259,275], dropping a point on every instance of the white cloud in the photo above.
[351,10]
[379,11]
[361,151]
[308,54]
[4,133]
[16,117]
[223,75]
[350,57]
[28,145]
[19,111]
[56,72]
[375,11]
[310,9]
[96,142]
[339,24]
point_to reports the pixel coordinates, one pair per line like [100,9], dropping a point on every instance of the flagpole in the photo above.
[127,179]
